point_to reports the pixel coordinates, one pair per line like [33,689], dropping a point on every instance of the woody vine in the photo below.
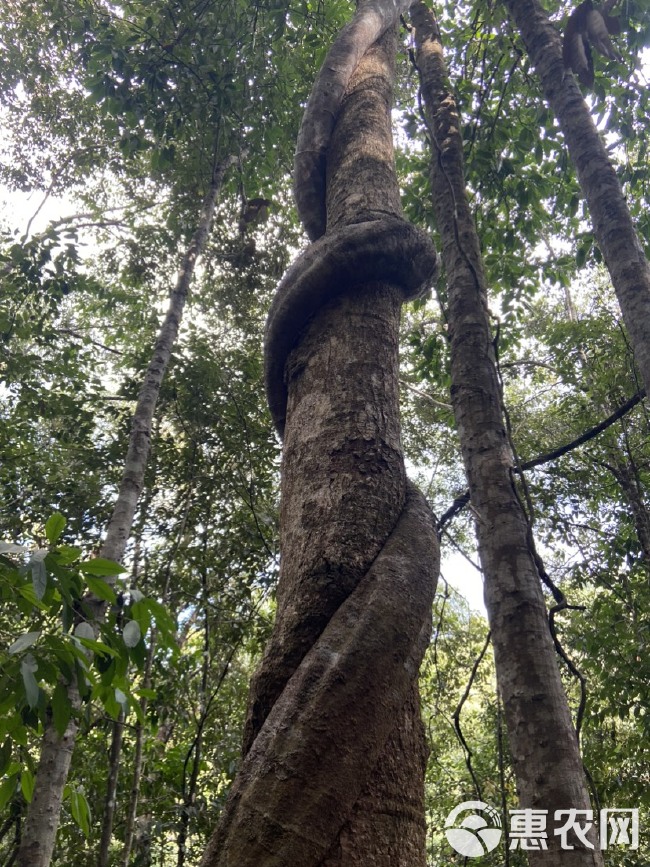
[333,735]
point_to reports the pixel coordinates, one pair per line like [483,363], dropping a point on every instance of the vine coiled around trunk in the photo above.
[387,249]
[330,692]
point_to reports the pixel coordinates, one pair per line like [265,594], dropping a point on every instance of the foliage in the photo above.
[114,117]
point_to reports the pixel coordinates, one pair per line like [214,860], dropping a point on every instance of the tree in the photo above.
[334,742]
[42,817]
[45,804]
[612,223]
[540,730]
[117,108]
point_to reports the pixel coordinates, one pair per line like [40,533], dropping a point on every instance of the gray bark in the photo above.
[42,818]
[612,222]
[543,743]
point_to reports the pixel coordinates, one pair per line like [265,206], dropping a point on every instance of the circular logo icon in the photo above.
[475,835]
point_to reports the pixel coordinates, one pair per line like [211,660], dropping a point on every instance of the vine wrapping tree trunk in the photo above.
[334,746]
[42,819]
[612,223]
[542,740]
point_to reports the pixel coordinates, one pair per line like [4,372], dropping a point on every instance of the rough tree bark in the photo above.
[334,746]
[42,819]
[612,222]
[542,739]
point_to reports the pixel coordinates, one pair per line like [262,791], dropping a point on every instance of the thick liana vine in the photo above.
[333,714]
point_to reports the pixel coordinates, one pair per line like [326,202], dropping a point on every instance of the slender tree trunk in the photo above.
[42,818]
[138,757]
[542,739]
[196,751]
[335,750]
[111,791]
[132,811]
[612,222]
[117,732]
[142,843]
[138,753]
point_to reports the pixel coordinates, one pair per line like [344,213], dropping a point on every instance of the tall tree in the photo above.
[116,106]
[133,66]
[43,814]
[543,742]
[612,223]
[333,772]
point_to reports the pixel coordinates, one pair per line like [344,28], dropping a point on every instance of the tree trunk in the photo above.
[612,222]
[542,739]
[195,753]
[117,732]
[111,791]
[134,796]
[42,818]
[138,752]
[335,749]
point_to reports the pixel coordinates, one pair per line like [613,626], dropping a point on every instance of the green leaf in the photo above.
[54,526]
[5,755]
[100,588]
[98,647]
[7,789]
[111,704]
[39,576]
[101,566]
[27,784]
[141,613]
[164,621]
[23,642]
[108,672]
[61,709]
[67,554]
[131,633]
[27,668]
[80,810]
[27,592]
[19,735]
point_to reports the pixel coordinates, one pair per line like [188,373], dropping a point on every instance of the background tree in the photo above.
[541,734]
